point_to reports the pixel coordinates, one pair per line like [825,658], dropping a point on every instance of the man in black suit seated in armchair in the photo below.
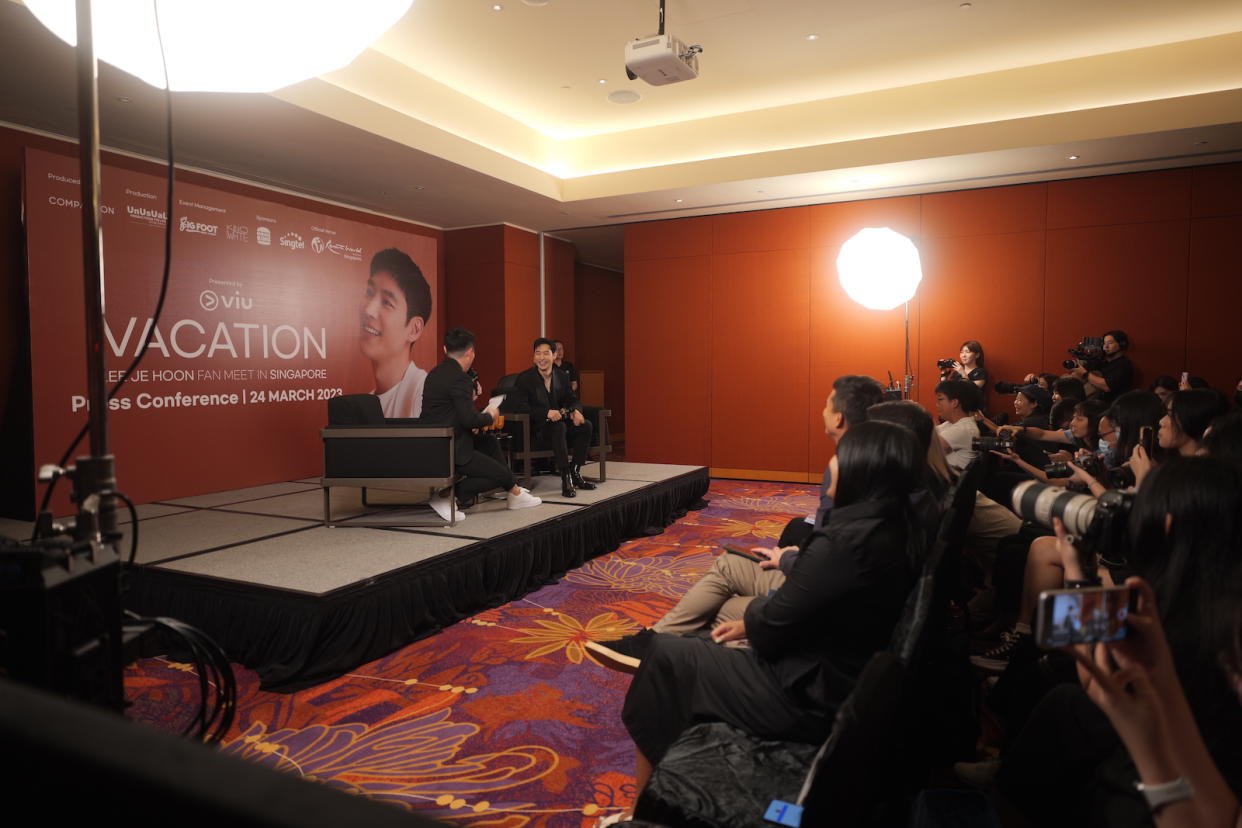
[448,399]
[555,416]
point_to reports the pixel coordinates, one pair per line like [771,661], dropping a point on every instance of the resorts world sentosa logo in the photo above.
[336,248]
[293,241]
[188,225]
[262,235]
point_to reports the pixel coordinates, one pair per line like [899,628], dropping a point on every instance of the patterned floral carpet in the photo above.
[503,719]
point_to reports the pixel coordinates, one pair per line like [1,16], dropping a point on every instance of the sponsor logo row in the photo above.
[263,235]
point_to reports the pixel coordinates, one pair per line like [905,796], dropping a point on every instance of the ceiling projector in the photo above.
[661,59]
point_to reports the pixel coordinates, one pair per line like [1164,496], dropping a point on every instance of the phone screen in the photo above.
[1147,439]
[1083,616]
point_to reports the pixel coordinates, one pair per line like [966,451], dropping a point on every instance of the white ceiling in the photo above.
[461,115]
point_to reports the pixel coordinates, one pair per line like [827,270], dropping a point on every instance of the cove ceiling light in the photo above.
[227,45]
[879,268]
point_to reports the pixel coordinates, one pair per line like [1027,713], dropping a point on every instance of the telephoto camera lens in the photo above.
[1040,503]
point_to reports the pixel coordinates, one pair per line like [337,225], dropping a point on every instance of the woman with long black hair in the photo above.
[810,638]
[1185,533]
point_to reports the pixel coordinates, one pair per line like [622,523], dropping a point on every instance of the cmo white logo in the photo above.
[190,226]
[210,300]
[292,241]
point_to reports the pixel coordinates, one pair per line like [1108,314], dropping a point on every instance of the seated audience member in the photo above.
[1224,437]
[447,399]
[1185,530]
[556,416]
[1163,387]
[1188,415]
[956,402]
[1237,392]
[565,365]
[1068,388]
[848,401]
[1116,375]
[811,637]
[725,590]
[1045,381]
[1031,403]
[1135,684]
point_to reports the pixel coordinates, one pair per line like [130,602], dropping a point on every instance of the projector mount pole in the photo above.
[95,474]
[661,32]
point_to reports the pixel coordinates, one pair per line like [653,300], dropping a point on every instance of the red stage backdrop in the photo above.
[264,321]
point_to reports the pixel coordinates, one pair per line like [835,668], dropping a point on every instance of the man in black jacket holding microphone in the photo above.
[448,399]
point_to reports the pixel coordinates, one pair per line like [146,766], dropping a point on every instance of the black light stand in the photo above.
[60,609]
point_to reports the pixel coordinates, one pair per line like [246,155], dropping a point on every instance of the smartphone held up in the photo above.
[1083,616]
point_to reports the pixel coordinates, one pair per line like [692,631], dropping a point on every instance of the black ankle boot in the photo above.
[567,485]
[575,474]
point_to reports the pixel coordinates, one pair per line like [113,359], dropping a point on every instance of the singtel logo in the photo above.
[190,226]
[293,241]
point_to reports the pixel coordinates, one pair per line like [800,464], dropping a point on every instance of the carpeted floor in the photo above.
[503,719]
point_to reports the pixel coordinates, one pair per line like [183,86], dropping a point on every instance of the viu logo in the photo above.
[210,300]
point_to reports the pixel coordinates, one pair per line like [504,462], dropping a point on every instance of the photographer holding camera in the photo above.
[1112,376]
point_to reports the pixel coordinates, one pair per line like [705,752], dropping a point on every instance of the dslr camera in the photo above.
[1121,477]
[1004,441]
[1089,352]
[945,366]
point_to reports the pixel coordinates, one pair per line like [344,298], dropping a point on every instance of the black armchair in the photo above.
[363,449]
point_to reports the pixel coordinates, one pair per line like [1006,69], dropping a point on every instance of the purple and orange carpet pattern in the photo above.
[503,719]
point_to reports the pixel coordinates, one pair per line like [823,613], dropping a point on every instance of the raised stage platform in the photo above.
[300,603]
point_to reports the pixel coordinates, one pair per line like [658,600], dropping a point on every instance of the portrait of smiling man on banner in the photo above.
[394,312]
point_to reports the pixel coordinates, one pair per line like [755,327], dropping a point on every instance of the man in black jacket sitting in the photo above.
[555,416]
[448,399]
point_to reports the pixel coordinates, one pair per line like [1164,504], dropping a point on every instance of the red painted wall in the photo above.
[755,326]
[600,311]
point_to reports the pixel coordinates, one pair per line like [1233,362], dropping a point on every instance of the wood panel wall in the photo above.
[753,326]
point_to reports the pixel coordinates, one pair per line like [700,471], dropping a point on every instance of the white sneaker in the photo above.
[443,507]
[523,500]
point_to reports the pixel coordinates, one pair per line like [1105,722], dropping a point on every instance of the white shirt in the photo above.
[405,399]
[958,435]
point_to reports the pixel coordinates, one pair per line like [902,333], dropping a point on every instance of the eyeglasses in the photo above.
[1108,433]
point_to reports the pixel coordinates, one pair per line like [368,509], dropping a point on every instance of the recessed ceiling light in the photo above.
[623,96]
[812,37]
[677,201]
[124,99]
[497,7]
[965,6]
[536,3]
[1072,157]
[603,80]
